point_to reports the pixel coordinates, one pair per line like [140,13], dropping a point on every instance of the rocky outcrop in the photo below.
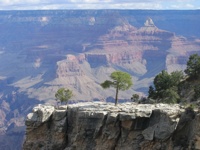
[103,126]
[42,51]
[48,127]
[69,66]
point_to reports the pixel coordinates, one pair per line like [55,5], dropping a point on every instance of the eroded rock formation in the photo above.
[102,126]
[42,51]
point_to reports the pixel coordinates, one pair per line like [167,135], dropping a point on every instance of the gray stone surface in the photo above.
[40,114]
[103,126]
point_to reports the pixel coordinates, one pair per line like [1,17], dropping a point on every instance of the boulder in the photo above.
[39,115]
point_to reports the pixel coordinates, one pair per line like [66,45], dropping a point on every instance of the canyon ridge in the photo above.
[42,51]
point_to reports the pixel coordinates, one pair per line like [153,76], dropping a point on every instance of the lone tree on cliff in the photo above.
[120,81]
[63,95]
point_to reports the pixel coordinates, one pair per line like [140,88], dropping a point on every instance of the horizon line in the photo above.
[98,9]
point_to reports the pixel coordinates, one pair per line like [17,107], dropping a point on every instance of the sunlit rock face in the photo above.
[100,125]
[42,51]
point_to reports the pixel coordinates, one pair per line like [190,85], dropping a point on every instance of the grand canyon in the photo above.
[42,51]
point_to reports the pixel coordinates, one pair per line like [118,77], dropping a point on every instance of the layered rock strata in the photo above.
[103,126]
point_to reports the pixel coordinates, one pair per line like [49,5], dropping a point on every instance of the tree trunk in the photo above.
[116,96]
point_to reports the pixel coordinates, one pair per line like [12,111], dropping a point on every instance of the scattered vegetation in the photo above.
[165,87]
[135,98]
[120,81]
[63,95]
[196,92]
[173,87]
[193,67]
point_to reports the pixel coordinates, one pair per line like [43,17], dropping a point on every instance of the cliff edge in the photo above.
[103,126]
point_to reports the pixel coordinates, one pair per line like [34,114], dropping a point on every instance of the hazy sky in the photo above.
[98,4]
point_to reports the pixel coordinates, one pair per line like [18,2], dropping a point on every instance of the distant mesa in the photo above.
[149,23]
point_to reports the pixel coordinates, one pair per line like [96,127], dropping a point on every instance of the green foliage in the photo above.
[170,96]
[170,88]
[151,92]
[106,84]
[120,81]
[135,98]
[196,92]
[63,95]
[176,78]
[193,66]
[166,87]
[162,81]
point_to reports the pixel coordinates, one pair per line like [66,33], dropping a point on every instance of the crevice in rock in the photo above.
[48,135]
[118,122]
[66,128]
[99,132]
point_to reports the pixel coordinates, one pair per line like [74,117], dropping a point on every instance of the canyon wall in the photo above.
[103,126]
[42,51]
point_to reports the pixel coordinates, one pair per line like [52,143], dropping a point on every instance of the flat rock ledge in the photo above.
[104,126]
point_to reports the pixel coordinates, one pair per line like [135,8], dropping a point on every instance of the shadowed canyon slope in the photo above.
[41,51]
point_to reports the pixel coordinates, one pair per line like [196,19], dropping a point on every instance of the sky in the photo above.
[99,4]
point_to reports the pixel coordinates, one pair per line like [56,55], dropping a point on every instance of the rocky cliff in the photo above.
[103,126]
[42,51]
